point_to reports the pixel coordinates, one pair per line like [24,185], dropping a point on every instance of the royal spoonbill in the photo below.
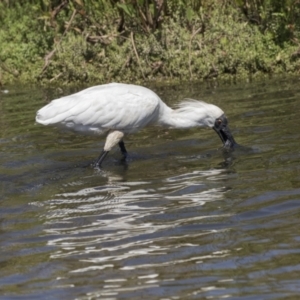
[117,109]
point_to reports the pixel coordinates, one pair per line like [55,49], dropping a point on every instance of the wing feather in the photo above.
[112,106]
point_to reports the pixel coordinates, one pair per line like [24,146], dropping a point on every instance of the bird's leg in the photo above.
[101,158]
[123,149]
[113,138]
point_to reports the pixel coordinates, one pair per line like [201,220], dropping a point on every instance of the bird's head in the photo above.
[222,129]
[209,115]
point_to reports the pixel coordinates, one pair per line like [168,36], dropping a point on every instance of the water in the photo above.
[180,220]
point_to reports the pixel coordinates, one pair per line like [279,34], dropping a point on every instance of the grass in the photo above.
[132,41]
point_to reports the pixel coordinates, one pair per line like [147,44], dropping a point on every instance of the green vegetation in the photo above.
[134,40]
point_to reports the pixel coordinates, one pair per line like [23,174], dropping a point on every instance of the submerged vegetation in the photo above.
[133,40]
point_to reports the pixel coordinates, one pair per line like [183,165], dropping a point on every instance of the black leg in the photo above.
[123,149]
[101,158]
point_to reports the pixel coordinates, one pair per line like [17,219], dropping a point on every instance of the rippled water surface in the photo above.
[180,220]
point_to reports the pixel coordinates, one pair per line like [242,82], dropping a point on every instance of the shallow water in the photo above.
[179,220]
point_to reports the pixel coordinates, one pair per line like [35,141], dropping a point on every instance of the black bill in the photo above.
[223,131]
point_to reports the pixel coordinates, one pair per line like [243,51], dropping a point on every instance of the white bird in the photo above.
[118,109]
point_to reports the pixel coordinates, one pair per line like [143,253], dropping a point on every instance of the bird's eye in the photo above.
[219,121]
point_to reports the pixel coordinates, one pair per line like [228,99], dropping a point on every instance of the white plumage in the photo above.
[118,109]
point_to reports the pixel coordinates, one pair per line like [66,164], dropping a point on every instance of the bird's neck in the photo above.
[173,118]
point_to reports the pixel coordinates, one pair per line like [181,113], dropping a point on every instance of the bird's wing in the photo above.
[113,106]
